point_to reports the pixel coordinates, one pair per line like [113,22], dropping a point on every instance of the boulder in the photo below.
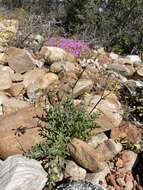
[82,86]
[121,180]
[85,155]
[98,177]
[93,159]
[20,60]
[109,109]
[55,54]
[12,140]
[18,172]
[48,79]
[128,159]
[16,89]
[65,66]
[5,80]
[33,76]
[74,172]
[11,105]
[104,59]
[17,77]
[110,149]
[37,80]
[127,131]
[126,70]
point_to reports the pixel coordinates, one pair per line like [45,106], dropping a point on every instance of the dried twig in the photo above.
[102,95]
[21,147]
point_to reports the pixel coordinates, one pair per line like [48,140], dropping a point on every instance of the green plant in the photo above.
[61,124]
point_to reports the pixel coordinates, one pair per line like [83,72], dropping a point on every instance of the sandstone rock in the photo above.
[125,70]
[74,172]
[10,142]
[37,80]
[38,89]
[18,172]
[16,89]
[97,139]
[85,155]
[98,177]
[129,159]
[128,132]
[90,158]
[5,80]
[62,66]
[82,86]
[11,105]
[109,148]
[121,180]
[64,90]
[34,92]
[40,77]
[48,79]
[110,111]
[32,76]
[20,60]
[55,54]
[104,59]
[17,77]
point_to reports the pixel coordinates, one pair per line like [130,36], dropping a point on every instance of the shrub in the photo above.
[61,124]
[113,23]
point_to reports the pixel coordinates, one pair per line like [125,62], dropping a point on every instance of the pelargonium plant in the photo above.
[76,47]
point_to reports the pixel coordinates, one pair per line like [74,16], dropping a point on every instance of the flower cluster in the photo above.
[76,47]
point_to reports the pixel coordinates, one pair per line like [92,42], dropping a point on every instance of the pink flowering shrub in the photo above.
[75,47]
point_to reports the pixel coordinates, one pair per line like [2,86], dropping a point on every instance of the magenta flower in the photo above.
[75,47]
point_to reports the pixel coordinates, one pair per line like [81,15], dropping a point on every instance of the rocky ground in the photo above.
[112,157]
